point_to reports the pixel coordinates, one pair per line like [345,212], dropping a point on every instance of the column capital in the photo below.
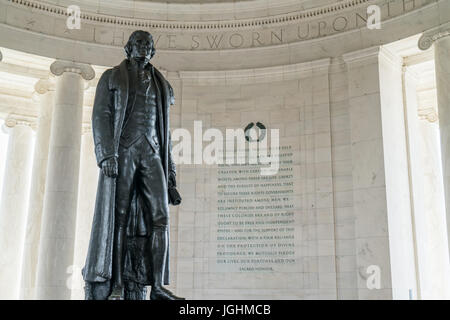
[42,86]
[19,120]
[84,70]
[430,36]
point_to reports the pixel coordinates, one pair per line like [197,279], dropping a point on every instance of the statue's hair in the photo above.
[129,46]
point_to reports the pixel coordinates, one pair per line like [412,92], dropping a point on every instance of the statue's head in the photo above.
[140,46]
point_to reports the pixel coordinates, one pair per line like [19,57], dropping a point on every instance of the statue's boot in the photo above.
[118,256]
[159,244]
[162,293]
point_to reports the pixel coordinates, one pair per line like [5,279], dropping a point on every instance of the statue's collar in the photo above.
[127,62]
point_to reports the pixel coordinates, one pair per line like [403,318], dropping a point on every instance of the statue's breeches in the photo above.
[140,167]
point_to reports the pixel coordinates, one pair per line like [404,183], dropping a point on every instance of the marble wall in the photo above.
[356,210]
[295,100]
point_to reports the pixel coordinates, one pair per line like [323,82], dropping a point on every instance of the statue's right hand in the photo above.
[109,167]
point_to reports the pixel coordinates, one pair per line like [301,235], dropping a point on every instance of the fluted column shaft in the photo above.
[60,201]
[440,37]
[45,90]
[13,205]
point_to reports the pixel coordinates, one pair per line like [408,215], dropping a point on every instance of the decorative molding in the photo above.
[197,25]
[374,53]
[266,74]
[60,66]
[362,55]
[111,23]
[430,36]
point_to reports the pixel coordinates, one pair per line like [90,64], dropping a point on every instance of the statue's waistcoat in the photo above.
[141,115]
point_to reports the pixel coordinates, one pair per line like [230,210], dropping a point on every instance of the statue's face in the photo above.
[142,47]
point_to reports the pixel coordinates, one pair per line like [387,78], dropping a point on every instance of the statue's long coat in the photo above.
[108,115]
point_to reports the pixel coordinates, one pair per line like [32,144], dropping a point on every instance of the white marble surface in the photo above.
[442,53]
[57,238]
[45,91]
[383,226]
[13,208]
[429,202]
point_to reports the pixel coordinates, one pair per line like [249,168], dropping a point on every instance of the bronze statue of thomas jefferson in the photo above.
[129,243]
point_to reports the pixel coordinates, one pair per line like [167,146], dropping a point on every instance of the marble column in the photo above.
[440,37]
[86,201]
[44,92]
[57,238]
[381,198]
[13,204]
